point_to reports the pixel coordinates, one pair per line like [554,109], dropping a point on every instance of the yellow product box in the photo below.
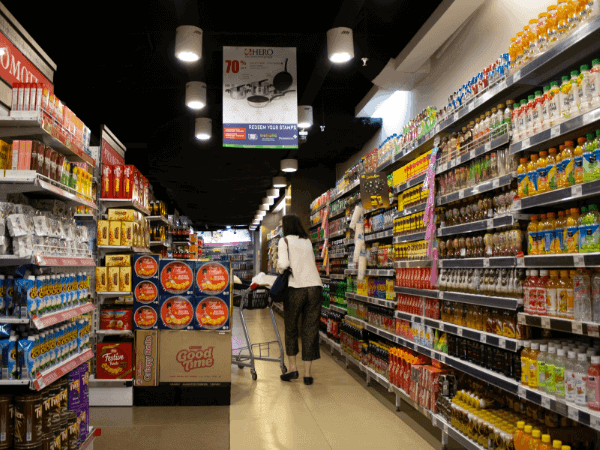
[389,289]
[102,236]
[362,287]
[397,177]
[113,279]
[118,260]
[114,237]
[101,279]
[125,279]
[128,215]
[127,233]
[5,155]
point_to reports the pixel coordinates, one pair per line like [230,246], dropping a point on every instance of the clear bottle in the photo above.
[574,94]
[508,113]
[546,108]
[580,372]
[562,290]
[551,170]
[560,363]
[593,384]
[585,89]
[537,112]
[552,297]
[570,296]
[529,116]
[595,81]
[564,98]
[550,367]
[554,104]
[570,366]
[533,364]
[541,367]
[522,120]
[542,292]
[582,296]
[595,286]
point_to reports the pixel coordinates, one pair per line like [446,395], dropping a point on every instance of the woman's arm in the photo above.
[283,260]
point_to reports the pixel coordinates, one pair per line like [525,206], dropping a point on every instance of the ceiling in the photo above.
[116,67]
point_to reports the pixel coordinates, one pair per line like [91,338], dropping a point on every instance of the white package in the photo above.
[42,225]
[23,246]
[17,225]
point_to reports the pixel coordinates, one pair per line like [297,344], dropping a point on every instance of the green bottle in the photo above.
[589,233]
[589,159]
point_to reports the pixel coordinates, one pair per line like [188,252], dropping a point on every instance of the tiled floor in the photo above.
[337,412]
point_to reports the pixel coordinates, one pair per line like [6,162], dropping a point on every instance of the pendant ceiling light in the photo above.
[261,213]
[340,45]
[188,43]
[203,128]
[279,182]
[305,116]
[289,165]
[268,201]
[273,193]
[263,207]
[195,94]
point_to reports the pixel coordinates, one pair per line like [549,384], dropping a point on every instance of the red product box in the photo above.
[146,192]
[118,181]
[137,183]
[15,154]
[107,319]
[107,181]
[114,361]
[128,182]
[26,156]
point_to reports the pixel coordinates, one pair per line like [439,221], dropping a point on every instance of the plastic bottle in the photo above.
[551,172]
[589,232]
[595,80]
[570,295]
[533,299]
[556,445]
[568,163]
[541,234]
[519,435]
[582,296]
[559,231]
[554,105]
[549,234]
[532,236]
[563,98]
[570,390]
[580,371]
[525,363]
[546,442]
[562,290]
[529,115]
[522,120]
[589,160]
[546,108]
[526,437]
[542,292]
[595,285]
[585,89]
[532,175]
[593,384]
[550,367]
[533,354]
[522,179]
[560,363]
[535,440]
[536,119]
[552,296]
[572,231]
[574,94]
[578,160]
[541,367]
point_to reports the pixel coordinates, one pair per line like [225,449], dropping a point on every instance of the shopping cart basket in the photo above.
[247,355]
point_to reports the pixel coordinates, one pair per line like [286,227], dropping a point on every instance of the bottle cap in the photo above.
[584,67]
[571,355]
[565,78]
[546,89]
[574,73]
[536,433]
[592,208]
[551,215]
[595,62]
[565,447]
[553,83]
[569,144]
[552,350]
[528,428]
[595,360]
[560,352]
[538,93]
[520,424]
[546,438]
[533,217]
[543,154]
[581,140]
[531,97]
[581,357]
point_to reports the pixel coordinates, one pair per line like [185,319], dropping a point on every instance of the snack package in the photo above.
[212,313]
[176,312]
[118,260]
[145,267]
[124,215]
[114,361]
[127,234]
[27,359]
[145,317]
[113,279]
[176,277]
[17,225]
[125,279]
[101,279]
[9,359]
[102,237]
[107,319]
[123,319]
[114,237]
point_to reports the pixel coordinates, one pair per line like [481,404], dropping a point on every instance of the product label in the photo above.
[177,313]
[562,302]
[570,172]
[570,386]
[551,302]
[559,381]
[533,377]
[580,388]
[177,277]
[212,279]
[549,375]
[212,313]
[146,267]
[541,371]
[572,239]
[589,238]
[533,182]
[146,292]
[524,371]
[542,175]
[548,241]
[593,391]
[590,165]
[532,243]
[523,181]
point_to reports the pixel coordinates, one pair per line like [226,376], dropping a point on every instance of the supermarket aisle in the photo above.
[337,412]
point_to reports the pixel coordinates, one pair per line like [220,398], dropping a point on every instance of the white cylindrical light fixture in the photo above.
[261,213]
[340,45]
[268,201]
[188,43]
[305,116]
[203,128]
[273,193]
[289,165]
[279,182]
[195,94]
[263,207]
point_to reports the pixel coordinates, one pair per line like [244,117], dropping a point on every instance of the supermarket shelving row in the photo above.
[491,144]
[372,272]
[337,277]
[378,236]
[337,214]
[319,208]
[124,203]
[346,190]
[413,264]
[122,248]
[489,185]
[481,300]
[429,293]
[315,225]
[51,375]
[478,263]
[390,304]
[479,225]
[339,309]
[571,260]
[45,261]
[409,238]
[410,211]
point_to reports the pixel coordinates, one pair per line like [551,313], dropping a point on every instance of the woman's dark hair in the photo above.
[293,227]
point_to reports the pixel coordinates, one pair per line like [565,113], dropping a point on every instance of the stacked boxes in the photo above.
[146,357]
[125,227]
[125,181]
[145,291]
[79,398]
[424,387]
[116,276]
[176,287]
[412,170]
[212,286]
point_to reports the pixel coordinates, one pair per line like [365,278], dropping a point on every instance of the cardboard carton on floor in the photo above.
[146,357]
[195,357]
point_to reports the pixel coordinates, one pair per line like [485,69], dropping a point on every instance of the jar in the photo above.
[469,247]
[462,247]
[489,244]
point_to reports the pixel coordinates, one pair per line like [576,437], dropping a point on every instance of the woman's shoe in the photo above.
[308,380]
[289,376]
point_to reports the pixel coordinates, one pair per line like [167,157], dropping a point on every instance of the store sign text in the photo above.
[109,155]
[16,68]
[195,358]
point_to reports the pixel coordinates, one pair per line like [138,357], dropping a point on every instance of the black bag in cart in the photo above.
[257,299]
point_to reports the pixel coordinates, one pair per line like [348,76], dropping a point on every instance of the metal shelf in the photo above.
[390,304]
[413,264]
[115,332]
[61,316]
[409,184]
[415,146]
[482,300]
[477,263]
[337,277]
[159,243]
[31,126]
[558,196]
[479,225]
[84,217]
[319,208]
[380,235]
[338,255]
[315,225]
[409,211]
[429,293]
[439,421]
[51,375]
[571,125]
[337,234]
[338,309]
[475,153]
[337,214]
[409,238]
[482,187]
[572,260]
[113,294]
[122,248]
[559,324]
[123,203]
[158,219]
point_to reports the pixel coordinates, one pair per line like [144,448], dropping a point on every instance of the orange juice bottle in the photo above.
[542,172]
[559,233]
[562,17]
[532,236]
[562,294]
[546,442]
[572,231]
[532,175]
[519,48]
[512,51]
[552,24]
[522,179]
[578,160]
[525,40]
[552,174]
[573,9]
[541,235]
[519,434]
[568,164]
[535,442]
[533,375]
[549,233]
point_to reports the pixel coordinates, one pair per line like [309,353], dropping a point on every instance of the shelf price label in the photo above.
[545,322]
[496,183]
[455,116]
[525,144]
[445,429]
[578,261]
[577,327]
[573,414]
[471,106]
[433,421]
[521,391]
[545,402]
[516,206]
[520,262]
[459,331]
[592,330]
[486,263]
[576,191]
[555,132]
[483,338]
[521,319]
[501,343]
[461,194]
[502,85]
[516,76]
[488,146]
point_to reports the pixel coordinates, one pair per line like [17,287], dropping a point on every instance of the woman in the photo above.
[305,296]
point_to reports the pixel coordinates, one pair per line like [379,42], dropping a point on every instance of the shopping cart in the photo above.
[247,355]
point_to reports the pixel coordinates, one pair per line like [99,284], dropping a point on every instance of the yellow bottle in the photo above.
[546,442]
[542,227]
[562,293]
[572,231]
[551,169]
[559,227]
[557,445]
[522,179]
[525,363]
[549,234]
[533,375]
[568,164]
[532,175]
[532,236]
[535,442]
[578,160]
[542,172]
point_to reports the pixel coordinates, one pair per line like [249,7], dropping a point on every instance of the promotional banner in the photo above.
[374,191]
[260,98]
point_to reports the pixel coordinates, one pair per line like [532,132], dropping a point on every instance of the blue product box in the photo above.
[145,317]
[176,312]
[145,267]
[212,313]
[212,278]
[145,292]
[176,277]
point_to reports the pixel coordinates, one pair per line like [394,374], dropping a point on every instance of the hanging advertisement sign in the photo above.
[374,191]
[113,152]
[260,99]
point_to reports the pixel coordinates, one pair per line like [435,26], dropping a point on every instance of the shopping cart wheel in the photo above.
[284,369]
[254,375]
[240,366]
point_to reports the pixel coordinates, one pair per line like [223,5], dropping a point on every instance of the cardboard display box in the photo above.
[176,277]
[195,357]
[146,357]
